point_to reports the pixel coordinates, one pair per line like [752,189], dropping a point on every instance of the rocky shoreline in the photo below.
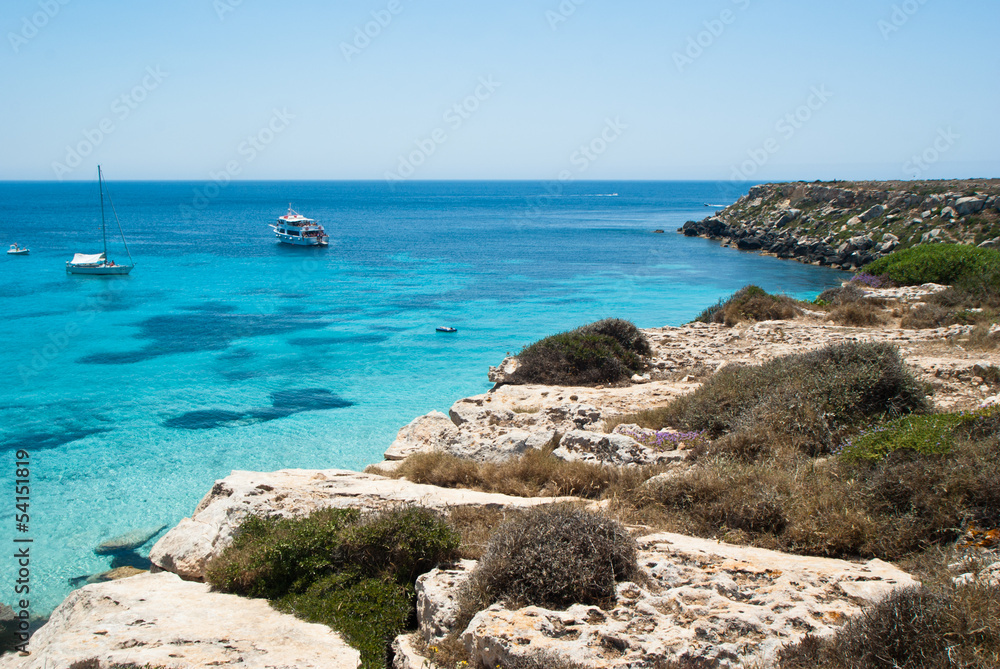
[702,599]
[849,225]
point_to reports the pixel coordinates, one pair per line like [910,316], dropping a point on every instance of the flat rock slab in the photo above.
[187,548]
[723,604]
[160,620]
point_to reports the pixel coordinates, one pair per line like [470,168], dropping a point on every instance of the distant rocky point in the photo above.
[848,224]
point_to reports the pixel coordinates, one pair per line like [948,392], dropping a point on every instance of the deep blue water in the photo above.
[225,350]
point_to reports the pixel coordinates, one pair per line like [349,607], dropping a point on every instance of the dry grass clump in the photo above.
[843,295]
[551,556]
[943,627]
[858,314]
[923,316]
[889,506]
[534,474]
[750,303]
[608,351]
[981,338]
[813,396]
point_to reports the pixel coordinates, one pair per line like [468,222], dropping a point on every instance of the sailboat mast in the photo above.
[100,185]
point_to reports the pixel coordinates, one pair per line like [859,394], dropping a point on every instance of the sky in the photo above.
[521,89]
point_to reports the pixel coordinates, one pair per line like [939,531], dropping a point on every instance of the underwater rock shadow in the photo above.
[44,440]
[211,327]
[284,403]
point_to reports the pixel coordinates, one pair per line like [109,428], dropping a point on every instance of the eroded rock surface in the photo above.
[187,548]
[705,600]
[160,620]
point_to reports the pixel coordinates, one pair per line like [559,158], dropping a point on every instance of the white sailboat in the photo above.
[98,263]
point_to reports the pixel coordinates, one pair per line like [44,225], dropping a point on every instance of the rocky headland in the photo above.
[697,599]
[851,224]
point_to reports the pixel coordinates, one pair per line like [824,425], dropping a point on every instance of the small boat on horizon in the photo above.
[446,328]
[294,228]
[16,250]
[97,263]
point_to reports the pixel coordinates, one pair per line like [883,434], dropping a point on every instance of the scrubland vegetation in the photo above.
[836,452]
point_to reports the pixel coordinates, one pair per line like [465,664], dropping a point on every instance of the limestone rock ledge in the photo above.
[160,620]
[719,603]
[186,549]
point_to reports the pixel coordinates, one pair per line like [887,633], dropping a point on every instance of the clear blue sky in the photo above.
[890,90]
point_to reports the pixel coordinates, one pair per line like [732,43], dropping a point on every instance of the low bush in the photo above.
[351,571]
[369,612]
[608,351]
[945,628]
[551,556]
[971,267]
[813,396]
[750,303]
[927,435]
[926,316]
[902,502]
[843,295]
[858,314]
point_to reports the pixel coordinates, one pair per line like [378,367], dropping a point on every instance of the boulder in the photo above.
[159,620]
[861,242]
[437,599]
[432,432]
[187,548]
[405,655]
[706,603]
[948,212]
[614,449]
[872,213]
[128,541]
[969,205]
[787,217]
[932,236]
[503,372]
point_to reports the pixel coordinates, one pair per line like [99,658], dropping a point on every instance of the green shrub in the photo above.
[351,571]
[552,556]
[815,395]
[624,332]
[369,612]
[607,351]
[750,303]
[927,435]
[941,263]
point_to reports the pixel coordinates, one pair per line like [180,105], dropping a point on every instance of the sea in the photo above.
[224,350]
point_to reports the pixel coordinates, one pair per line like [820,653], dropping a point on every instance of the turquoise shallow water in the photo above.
[225,350]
